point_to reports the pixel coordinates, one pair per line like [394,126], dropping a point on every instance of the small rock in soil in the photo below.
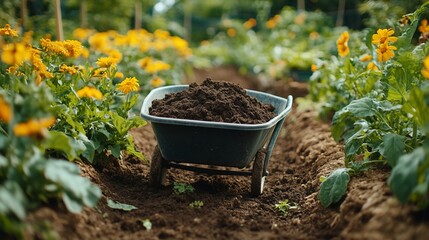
[213,101]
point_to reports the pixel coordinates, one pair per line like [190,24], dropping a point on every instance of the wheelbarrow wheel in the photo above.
[158,171]
[258,178]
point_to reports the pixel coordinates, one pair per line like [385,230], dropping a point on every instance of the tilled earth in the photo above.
[304,152]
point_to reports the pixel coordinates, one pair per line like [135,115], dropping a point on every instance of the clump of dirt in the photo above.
[213,101]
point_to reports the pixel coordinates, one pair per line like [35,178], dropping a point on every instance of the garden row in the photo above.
[372,84]
[75,100]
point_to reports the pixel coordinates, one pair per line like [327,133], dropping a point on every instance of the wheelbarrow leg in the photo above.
[158,171]
[258,176]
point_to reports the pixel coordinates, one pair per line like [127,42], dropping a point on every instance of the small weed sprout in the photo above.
[196,204]
[182,188]
[146,224]
[284,206]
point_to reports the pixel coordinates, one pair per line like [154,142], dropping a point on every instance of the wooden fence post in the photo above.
[58,20]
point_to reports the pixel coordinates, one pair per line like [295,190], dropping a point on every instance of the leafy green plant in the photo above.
[196,204]
[182,188]
[377,95]
[284,206]
[146,224]
[29,175]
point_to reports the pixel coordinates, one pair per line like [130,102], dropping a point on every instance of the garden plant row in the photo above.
[72,100]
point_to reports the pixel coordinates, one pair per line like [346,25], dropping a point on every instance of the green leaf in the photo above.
[78,191]
[417,107]
[120,206]
[89,151]
[61,142]
[12,199]
[363,107]
[355,141]
[147,224]
[334,187]
[115,150]
[392,147]
[405,39]
[404,176]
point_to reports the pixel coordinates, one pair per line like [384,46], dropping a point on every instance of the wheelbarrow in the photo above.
[199,146]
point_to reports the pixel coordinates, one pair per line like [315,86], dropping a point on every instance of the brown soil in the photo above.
[304,152]
[213,101]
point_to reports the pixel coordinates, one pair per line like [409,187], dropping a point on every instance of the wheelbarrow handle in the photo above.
[276,133]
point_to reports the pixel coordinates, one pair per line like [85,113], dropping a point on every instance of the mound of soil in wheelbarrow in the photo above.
[213,101]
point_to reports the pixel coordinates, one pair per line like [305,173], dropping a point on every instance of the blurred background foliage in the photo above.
[192,19]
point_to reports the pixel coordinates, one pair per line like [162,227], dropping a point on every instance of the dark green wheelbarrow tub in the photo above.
[215,143]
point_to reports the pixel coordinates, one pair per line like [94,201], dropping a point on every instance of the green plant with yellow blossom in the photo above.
[377,91]
[91,107]
[29,175]
[154,59]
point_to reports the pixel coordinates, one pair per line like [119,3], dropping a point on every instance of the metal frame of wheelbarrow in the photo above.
[189,144]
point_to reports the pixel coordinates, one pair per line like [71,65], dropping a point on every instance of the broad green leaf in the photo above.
[61,142]
[120,206]
[12,199]
[334,187]
[392,147]
[338,124]
[355,141]
[363,107]
[404,176]
[417,107]
[115,150]
[89,151]
[406,38]
[78,190]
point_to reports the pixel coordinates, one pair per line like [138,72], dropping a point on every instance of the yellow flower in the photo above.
[90,92]
[181,46]
[314,35]
[116,54]
[99,41]
[129,85]
[7,31]
[99,73]
[424,28]
[82,33]
[119,75]
[231,32]
[144,62]
[384,36]
[33,127]
[156,66]
[300,19]
[313,67]
[68,48]
[250,23]
[73,48]
[157,82]
[372,66]
[425,70]
[342,44]
[385,52]
[272,22]
[366,58]
[69,69]
[107,62]
[14,70]
[161,34]
[15,53]
[6,113]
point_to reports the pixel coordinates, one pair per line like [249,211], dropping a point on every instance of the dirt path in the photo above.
[304,152]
